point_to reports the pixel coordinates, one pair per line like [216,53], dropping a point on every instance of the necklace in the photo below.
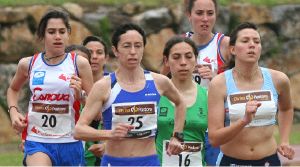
[246,76]
[49,58]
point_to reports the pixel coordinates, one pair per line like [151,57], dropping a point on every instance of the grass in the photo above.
[294,137]
[11,159]
[146,3]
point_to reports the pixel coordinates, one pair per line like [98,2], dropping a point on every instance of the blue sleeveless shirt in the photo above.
[136,108]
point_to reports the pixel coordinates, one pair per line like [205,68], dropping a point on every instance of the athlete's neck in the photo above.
[97,75]
[247,73]
[187,89]
[127,76]
[201,39]
[183,85]
[53,58]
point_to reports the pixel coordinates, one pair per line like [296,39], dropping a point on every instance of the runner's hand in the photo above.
[18,121]
[204,71]
[97,149]
[251,108]
[174,147]
[286,150]
[120,131]
[75,83]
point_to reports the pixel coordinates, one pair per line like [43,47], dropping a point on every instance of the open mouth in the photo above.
[59,44]
[132,60]
[183,71]
[204,26]
[251,53]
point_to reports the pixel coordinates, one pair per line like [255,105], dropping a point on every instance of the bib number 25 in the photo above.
[132,120]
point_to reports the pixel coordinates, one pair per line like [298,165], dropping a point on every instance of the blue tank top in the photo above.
[136,108]
[236,101]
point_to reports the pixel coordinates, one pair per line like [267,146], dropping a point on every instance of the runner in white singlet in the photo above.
[55,80]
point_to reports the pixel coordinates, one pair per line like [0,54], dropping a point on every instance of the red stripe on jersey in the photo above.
[73,57]
[24,132]
[76,107]
[32,63]
[219,59]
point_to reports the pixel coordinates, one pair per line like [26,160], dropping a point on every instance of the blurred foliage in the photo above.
[146,3]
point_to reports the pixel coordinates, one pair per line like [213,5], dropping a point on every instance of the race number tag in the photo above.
[191,155]
[142,115]
[198,79]
[51,120]
[265,114]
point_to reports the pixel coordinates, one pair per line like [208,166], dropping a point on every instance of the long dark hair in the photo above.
[178,39]
[56,14]
[233,38]
[189,4]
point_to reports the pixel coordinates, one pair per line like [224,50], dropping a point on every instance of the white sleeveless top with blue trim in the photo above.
[235,103]
[135,108]
[209,55]
[51,111]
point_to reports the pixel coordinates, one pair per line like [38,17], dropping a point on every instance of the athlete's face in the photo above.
[247,47]
[130,49]
[97,55]
[203,17]
[181,61]
[56,36]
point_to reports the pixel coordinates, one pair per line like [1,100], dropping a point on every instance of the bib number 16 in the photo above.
[184,160]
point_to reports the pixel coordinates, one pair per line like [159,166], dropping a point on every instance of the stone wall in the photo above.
[279,27]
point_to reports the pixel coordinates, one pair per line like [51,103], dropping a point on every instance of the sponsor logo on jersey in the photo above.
[64,77]
[135,109]
[163,111]
[207,60]
[38,77]
[49,96]
[244,97]
[150,94]
[50,108]
[138,134]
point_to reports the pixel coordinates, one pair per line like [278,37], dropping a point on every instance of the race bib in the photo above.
[142,115]
[265,114]
[198,79]
[50,120]
[191,155]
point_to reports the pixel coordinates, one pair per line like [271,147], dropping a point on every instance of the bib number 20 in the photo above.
[49,121]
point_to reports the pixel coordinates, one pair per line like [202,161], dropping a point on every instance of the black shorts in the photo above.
[272,160]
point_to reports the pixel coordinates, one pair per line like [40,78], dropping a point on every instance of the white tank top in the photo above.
[51,116]
[210,55]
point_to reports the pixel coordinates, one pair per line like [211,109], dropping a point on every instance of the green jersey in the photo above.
[195,122]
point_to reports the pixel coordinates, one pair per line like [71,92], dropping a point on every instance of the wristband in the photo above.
[11,108]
